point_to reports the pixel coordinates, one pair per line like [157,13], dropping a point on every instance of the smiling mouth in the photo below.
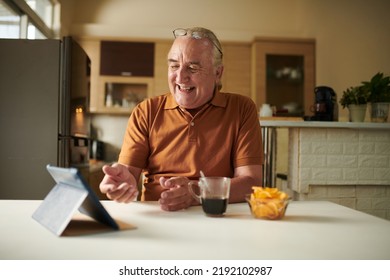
[185,89]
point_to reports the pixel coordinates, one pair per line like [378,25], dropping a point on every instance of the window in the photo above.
[44,9]
[32,19]
[34,33]
[9,22]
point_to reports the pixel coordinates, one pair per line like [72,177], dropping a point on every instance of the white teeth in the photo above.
[185,88]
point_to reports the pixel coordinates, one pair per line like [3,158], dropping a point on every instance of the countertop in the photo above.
[299,123]
[310,230]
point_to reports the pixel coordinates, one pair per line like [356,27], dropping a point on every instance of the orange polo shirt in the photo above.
[168,141]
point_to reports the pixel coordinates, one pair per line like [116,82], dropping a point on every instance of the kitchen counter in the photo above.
[310,230]
[347,162]
[269,122]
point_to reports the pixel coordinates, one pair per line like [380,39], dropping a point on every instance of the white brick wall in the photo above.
[329,156]
[347,166]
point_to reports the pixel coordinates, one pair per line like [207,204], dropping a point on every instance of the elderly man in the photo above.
[195,127]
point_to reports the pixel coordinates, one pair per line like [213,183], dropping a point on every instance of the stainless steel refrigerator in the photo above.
[44,119]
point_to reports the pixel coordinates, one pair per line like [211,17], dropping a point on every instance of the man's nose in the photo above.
[182,75]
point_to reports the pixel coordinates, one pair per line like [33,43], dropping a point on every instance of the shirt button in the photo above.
[192,123]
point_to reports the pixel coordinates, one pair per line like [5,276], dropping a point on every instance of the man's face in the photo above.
[192,77]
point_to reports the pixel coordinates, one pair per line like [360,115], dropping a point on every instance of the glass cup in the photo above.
[213,194]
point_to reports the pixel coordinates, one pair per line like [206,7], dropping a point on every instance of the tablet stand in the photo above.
[71,193]
[57,210]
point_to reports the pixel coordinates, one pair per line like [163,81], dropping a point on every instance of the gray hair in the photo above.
[206,33]
[213,38]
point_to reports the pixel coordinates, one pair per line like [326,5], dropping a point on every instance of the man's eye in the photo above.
[193,68]
[174,67]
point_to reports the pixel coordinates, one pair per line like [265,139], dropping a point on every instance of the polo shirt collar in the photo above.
[219,100]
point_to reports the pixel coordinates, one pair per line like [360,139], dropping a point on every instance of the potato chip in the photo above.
[268,202]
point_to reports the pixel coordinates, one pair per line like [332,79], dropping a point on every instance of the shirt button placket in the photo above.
[192,134]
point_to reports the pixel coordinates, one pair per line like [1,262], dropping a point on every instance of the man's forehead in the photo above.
[189,48]
[185,43]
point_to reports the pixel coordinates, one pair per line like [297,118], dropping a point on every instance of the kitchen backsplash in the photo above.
[110,129]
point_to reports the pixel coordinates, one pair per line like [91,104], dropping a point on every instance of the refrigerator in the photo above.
[44,118]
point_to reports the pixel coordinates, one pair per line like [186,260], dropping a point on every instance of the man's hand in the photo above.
[118,183]
[177,195]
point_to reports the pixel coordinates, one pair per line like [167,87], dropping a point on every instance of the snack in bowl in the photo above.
[268,203]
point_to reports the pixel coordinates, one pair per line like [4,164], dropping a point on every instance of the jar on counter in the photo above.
[109,101]
[265,110]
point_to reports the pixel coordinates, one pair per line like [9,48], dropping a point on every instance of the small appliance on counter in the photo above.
[265,110]
[97,150]
[325,107]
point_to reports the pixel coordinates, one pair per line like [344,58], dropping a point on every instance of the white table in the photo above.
[310,230]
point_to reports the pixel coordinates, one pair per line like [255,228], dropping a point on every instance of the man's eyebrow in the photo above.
[172,60]
[191,63]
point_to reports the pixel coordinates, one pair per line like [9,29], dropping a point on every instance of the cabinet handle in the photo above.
[126,74]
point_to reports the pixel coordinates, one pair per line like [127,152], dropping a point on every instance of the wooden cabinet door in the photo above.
[161,67]
[127,59]
[286,78]
[236,77]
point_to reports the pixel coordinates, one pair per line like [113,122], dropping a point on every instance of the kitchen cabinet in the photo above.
[284,74]
[119,95]
[162,48]
[115,94]
[236,77]
[126,75]
[120,58]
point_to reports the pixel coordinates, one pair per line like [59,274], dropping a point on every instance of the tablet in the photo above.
[70,193]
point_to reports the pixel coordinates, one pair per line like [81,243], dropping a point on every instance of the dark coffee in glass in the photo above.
[214,194]
[214,206]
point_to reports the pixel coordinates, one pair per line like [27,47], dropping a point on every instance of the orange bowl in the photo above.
[267,208]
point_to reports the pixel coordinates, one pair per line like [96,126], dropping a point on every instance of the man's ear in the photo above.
[219,72]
